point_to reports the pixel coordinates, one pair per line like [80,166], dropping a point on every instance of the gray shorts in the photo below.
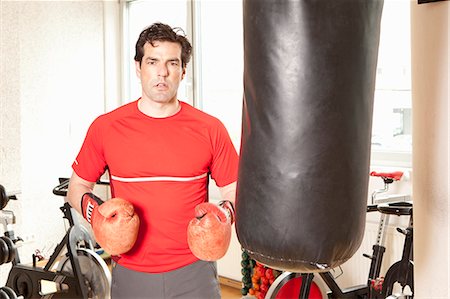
[194,281]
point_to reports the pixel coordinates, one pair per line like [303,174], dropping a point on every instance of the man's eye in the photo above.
[174,63]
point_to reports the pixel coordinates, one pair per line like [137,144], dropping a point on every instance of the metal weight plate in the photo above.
[10,292]
[4,252]
[11,248]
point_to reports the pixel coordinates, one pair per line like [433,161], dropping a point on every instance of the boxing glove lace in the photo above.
[114,222]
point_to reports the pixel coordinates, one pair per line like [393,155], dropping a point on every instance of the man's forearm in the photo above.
[228,192]
[78,187]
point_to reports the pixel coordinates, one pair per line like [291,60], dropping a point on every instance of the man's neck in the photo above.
[158,110]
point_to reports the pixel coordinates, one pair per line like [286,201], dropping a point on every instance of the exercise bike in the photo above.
[306,285]
[74,270]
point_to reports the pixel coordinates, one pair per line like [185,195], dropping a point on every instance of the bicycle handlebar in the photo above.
[61,189]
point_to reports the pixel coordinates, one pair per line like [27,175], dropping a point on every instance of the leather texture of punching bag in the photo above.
[309,81]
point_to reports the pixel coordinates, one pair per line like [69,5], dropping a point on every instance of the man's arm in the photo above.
[78,187]
[114,223]
[228,192]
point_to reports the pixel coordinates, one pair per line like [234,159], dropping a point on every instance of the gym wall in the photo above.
[52,87]
[430,37]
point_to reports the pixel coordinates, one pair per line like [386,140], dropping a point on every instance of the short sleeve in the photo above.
[224,168]
[90,163]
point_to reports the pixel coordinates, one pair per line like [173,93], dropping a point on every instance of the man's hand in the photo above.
[114,222]
[209,233]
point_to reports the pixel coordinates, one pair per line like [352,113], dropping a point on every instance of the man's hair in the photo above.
[163,32]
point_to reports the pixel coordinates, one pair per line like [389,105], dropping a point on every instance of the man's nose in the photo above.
[163,70]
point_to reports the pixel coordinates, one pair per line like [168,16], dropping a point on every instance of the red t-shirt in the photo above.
[162,166]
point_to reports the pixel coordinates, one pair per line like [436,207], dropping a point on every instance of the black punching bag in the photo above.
[309,80]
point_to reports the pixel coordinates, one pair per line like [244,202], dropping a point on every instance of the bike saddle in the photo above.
[388,177]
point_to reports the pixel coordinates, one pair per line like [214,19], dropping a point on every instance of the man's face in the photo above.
[160,71]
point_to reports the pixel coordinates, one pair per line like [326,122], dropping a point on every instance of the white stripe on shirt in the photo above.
[158,178]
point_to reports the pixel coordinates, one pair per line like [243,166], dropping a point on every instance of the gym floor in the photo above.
[230,288]
[229,292]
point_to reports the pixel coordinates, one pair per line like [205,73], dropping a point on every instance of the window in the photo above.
[215,29]
[391,132]
[217,53]
[139,14]
[221,63]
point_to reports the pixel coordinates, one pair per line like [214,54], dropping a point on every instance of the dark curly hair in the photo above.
[163,32]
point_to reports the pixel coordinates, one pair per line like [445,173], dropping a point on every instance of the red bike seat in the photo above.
[395,175]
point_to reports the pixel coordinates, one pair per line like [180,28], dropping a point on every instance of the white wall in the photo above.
[52,87]
[430,77]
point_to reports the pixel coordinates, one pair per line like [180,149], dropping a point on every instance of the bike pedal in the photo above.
[402,231]
[368,256]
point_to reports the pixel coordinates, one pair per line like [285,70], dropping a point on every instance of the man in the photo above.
[159,153]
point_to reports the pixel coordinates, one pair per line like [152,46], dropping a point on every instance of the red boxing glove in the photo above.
[114,222]
[209,233]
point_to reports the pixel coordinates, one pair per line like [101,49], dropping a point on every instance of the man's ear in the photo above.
[183,73]
[138,68]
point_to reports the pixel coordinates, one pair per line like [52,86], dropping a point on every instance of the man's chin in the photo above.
[164,99]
